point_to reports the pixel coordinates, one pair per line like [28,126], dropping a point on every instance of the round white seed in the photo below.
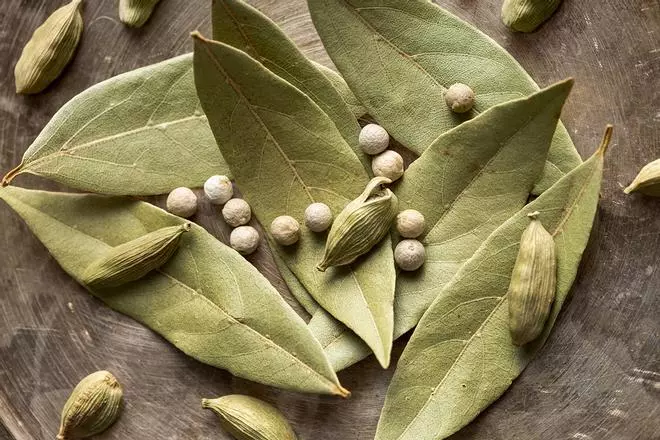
[388,164]
[236,212]
[285,230]
[373,139]
[182,202]
[460,98]
[409,254]
[218,189]
[245,239]
[410,223]
[318,217]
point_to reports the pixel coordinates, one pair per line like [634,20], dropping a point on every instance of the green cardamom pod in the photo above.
[135,13]
[132,260]
[361,224]
[49,50]
[527,15]
[533,283]
[247,418]
[647,181]
[93,406]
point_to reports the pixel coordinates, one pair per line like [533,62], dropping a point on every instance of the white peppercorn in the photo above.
[409,254]
[218,189]
[410,223]
[182,202]
[460,98]
[236,212]
[244,239]
[285,230]
[388,164]
[373,139]
[318,217]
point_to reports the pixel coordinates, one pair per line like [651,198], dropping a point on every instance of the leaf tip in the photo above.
[605,143]
[342,392]
[196,35]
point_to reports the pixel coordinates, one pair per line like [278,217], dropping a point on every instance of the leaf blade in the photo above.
[264,119]
[139,133]
[240,25]
[210,314]
[467,324]
[399,57]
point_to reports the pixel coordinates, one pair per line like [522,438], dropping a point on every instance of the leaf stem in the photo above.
[605,143]
[11,174]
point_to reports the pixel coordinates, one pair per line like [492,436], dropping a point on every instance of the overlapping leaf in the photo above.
[400,56]
[207,300]
[467,183]
[286,153]
[139,133]
[342,88]
[238,24]
[461,358]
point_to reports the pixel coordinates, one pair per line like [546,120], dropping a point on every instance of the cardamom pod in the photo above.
[135,13]
[247,418]
[361,224]
[49,50]
[533,282]
[132,260]
[647,181]
[93,406]
[527,15]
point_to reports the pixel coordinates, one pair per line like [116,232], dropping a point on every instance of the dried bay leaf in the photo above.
[338,82]
[139,133]
[207,299]
[467,183]
[461,357]
[240,25]
[286,153]
[399,58]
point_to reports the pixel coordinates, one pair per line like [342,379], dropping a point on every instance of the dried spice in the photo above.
[248,418]
[533,283]
[360,225]
[93,406]
[50,49]
[133,260]
[135,13]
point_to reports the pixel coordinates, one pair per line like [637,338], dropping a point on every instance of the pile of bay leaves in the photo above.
[287,131]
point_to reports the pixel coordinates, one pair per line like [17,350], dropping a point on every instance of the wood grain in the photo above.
[597,378]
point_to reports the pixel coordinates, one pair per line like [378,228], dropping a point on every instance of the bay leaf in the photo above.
[286,153]
[338,82]
[207,300]
[467,183]
[139,133]
[461,357]
[240,25]
[342,347]
[399,58]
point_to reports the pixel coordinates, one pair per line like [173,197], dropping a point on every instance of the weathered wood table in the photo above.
[597,378]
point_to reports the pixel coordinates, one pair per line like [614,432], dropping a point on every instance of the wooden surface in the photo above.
[597,378]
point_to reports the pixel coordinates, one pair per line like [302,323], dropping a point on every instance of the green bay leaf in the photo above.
[461,357]
[467,183]
[400,56]
[139,133]
[286,153]
[240,25]
[207,299]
